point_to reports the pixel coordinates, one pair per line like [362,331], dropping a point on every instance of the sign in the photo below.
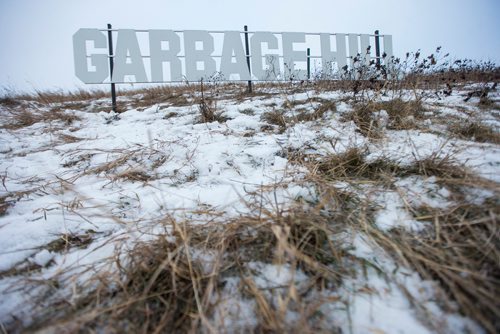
[168,56]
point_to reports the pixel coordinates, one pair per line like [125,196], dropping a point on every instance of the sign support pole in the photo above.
[248,59]
[377,48]
[111,65]
[308,63]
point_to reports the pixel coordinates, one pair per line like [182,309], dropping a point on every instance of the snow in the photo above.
[194,169]
[420,191]
[43,257]
[393,214]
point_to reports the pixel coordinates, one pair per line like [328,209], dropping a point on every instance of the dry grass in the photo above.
[9,101]
[57,96]
[163,286]
[161,94]
[403,115]
[158,292]
[352,165]
[441,166]
[275,117]
[61,116]
[461,251]
[135,164]
[208,108]
[208,112]
[24,116]
[111,165]
[47,97]
[279,116]
[23,268]
[4,205]
[69,138]
[133,174]
[20,119]
[69,240]
[324,107]
[474,131]
[10,198]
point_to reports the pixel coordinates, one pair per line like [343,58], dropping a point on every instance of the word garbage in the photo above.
[199,62]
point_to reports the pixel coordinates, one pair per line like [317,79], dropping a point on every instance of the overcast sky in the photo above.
[36,36]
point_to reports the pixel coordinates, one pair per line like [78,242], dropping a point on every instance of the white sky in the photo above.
[36,36]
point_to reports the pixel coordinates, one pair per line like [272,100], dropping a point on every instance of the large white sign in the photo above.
[167,55]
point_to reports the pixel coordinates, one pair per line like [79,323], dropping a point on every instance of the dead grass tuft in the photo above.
[352,164]
[9,101]
[4,205]
[69,139]
[69,240]
[474,131]
[208,109]
[170,115]
[305,116]
[209,113]
[111,165]
[324,107]
[402,115]
[441,166]
[23,268]
[275,117]
[461,251]
[248,111]
[63,116]
[132,174]
[48,97]
[20,117]
[165,286]
[162,94]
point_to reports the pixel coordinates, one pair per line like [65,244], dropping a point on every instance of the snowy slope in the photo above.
[106,181]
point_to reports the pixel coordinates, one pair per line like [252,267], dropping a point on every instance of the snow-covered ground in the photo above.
[106,181]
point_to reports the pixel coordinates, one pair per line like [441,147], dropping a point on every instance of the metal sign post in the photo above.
[308,63]
[377,48]
[247,50]
[111,65]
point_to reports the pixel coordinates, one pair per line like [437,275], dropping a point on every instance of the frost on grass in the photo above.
[295,209]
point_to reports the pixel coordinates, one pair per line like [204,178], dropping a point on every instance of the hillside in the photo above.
[302,207]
